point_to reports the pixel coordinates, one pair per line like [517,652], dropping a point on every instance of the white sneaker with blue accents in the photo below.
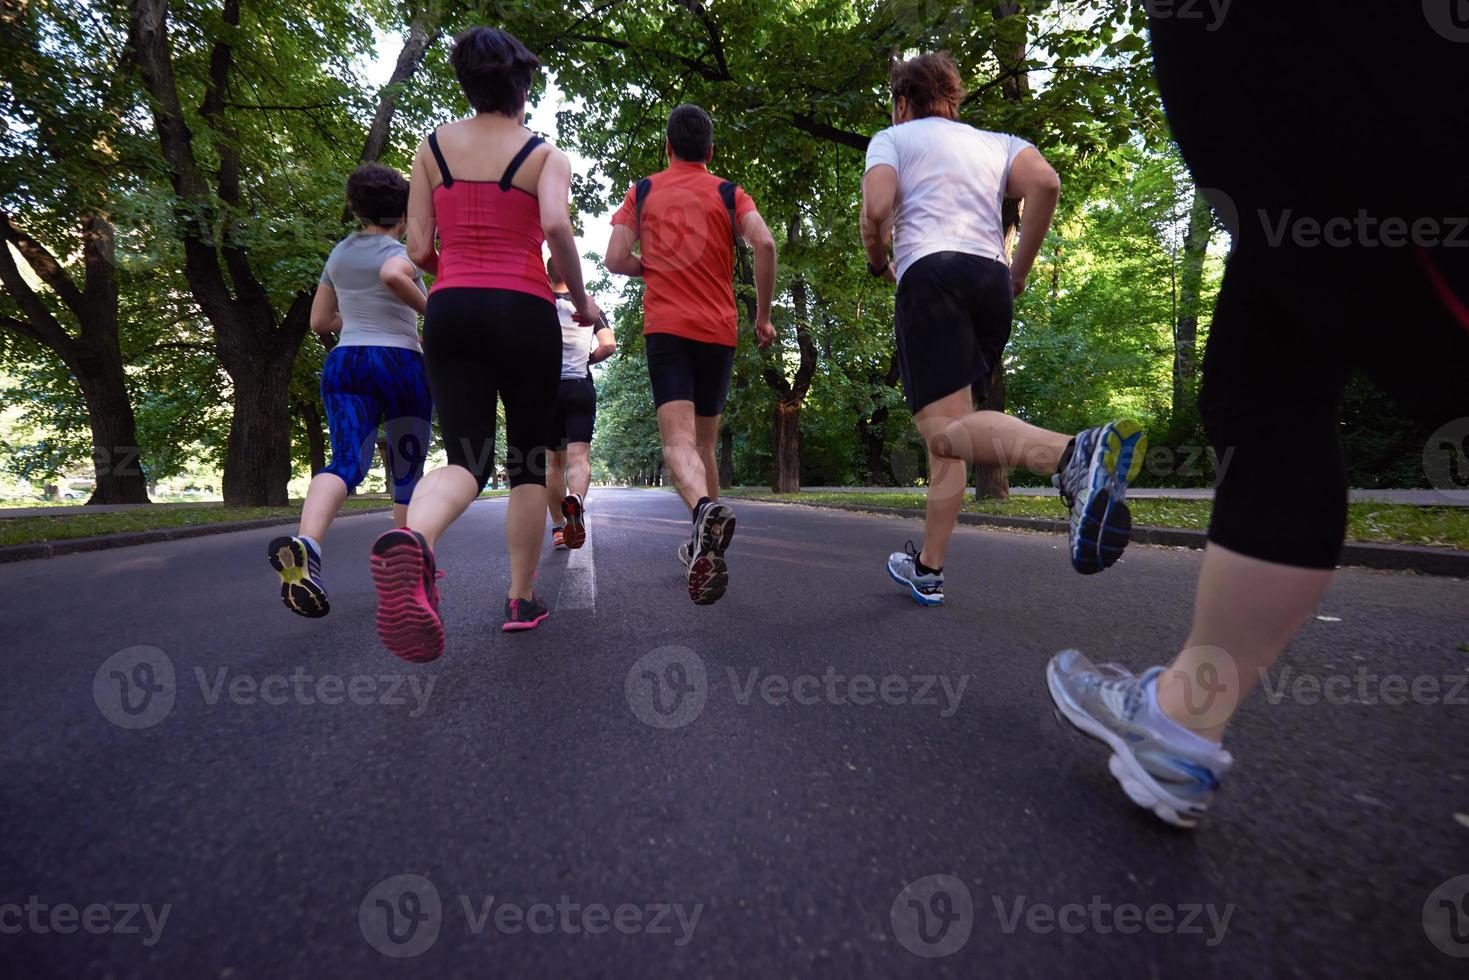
[1093,483]
[926,589]
[1161,773]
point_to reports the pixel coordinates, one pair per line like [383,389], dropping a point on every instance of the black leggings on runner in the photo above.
[484,343]
[1348,201]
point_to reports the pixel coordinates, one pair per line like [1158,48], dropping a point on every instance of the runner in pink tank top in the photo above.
[486,195]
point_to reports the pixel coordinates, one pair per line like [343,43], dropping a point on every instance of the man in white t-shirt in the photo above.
[569,466]
[934,190]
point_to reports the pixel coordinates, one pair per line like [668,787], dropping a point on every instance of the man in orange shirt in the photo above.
[686,222]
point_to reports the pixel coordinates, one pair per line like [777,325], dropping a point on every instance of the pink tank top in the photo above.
[489,231]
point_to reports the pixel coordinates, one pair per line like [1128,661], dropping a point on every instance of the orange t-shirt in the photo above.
[688,253]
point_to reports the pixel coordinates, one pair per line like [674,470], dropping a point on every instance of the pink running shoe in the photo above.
[408,621]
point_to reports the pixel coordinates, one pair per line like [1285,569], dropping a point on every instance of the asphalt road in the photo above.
[643,787]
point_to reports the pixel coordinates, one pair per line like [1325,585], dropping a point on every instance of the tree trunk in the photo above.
[1186,331]
[726,458]
[873,433]
[991,482]
[785,445]
[315,434]
[94,355]
[115,451]
[257,462]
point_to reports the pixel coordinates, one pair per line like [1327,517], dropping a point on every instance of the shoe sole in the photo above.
[299,591]
[921,598]
[1105,527]
[708,572]
[407,624]
[575,531]
[1139,785]
[520,626]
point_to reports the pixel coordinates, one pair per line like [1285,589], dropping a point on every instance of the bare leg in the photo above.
[400,515]
[525,530]
[997,438]
[578,468]
[680,451]
[706,435]
[955,435]
[323,499]
[1245,612]
[439,499]
[555,485]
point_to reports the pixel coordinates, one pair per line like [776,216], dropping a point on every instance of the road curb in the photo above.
[126,539]
[1450,562]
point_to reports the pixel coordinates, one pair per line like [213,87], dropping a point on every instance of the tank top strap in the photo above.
[433,144]
[520,158]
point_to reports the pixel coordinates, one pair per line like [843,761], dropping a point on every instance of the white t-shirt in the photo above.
[951,187]
[577,341]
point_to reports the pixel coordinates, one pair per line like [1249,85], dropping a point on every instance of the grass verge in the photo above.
[84,524]
[1445,527]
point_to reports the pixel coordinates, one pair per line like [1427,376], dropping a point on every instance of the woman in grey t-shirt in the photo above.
[371,296]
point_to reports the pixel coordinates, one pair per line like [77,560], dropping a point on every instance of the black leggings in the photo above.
[1281,114]
[480,343]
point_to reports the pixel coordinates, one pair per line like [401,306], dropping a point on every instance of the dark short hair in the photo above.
[377,194]
[930,83]
[690,133]
[551,272]
[494,69]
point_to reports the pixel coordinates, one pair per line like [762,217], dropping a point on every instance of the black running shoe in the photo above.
[299,567]
[524,614]
[708,573]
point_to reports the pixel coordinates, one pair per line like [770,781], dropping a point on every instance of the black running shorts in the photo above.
[689,370]
[576,410]
[953,320]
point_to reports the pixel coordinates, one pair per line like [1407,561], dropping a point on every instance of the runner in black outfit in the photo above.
[1333,145]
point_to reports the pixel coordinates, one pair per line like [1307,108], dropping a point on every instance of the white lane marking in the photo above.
[579,583]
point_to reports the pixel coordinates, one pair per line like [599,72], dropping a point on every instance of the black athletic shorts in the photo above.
[1339,262]
[953,320]
[689,370]
[576,410]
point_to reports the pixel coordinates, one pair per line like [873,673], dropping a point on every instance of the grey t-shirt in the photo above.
[371,315]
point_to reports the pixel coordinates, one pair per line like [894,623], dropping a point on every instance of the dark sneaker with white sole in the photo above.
[708,573]
[524,614]
[299,567]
